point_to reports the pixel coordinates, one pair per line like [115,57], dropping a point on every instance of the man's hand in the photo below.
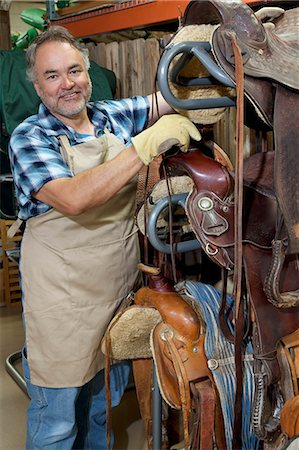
[168,131]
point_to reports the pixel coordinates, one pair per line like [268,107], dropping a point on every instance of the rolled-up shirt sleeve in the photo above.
[126,117]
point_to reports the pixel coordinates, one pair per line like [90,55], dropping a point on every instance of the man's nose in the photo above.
[67,82]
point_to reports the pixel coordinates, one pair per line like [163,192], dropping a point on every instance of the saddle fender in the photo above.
[176,342]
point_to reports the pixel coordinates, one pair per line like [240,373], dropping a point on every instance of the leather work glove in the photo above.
[170,130]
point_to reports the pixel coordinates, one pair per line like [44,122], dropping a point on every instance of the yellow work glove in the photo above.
[168,131]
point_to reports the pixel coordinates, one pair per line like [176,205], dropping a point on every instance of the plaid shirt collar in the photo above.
[54,127]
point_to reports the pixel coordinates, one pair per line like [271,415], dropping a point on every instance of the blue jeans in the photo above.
[72,418]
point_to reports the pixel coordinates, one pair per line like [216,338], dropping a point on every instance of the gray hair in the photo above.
[58,34]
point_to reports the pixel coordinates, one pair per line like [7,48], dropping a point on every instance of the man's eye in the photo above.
[51,77]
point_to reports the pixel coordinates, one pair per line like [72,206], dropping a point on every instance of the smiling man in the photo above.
[75,165]
[61,80]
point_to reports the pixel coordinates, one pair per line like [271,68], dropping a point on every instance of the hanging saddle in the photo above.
[270,55]
[271,66]
[210,210]
[165,326]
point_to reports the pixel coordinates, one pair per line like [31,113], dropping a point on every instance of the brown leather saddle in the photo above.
[176,343]
[210,210]
[166,326]
[270,55]
[271,66]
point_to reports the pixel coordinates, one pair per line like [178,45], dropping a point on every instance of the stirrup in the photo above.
[271,286]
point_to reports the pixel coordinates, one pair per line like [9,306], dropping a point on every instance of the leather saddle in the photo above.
[270,54]
[180,324]
[175,330]
[177,344]
[210,210]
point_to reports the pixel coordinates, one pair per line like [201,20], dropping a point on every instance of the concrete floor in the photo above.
[129,433]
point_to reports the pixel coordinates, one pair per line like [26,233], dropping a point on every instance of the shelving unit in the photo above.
[10,261]
[92,18]
[121,16]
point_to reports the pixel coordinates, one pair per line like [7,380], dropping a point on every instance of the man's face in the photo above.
[62,81]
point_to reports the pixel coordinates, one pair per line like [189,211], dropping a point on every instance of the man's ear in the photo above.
[36,87]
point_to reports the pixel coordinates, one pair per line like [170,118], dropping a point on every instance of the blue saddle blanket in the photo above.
[220,354]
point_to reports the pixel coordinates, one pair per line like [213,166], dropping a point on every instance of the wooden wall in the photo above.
[135,62]
[5,42]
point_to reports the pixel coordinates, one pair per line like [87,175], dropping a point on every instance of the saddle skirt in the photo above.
[176,343]
[270,53]
[210,204]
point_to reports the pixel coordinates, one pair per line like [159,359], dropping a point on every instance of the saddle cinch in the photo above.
[270,54]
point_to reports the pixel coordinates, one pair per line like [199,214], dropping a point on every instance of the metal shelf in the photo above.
[121,16]
[96,18]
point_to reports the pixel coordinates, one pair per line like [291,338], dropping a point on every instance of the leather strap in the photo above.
[222,314]
[204,400]
[238,256]
[183,383]
[143,373]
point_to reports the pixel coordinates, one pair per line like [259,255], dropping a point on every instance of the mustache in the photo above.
[70,91]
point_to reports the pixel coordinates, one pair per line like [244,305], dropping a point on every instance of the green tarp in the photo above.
[19,100]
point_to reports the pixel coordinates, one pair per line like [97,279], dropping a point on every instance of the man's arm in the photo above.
[96,186]
[158,107]
[93,187]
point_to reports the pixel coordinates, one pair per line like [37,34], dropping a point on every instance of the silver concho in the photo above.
[205,204]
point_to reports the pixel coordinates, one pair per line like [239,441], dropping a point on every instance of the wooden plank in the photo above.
[225,133]
[101,54]
[5,41]
[97,53]
[113,63]
[125,69]
[151,60]
[247,144]
[139,67]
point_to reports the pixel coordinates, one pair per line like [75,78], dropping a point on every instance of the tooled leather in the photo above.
[184,322]
[271,323]
[259,212]
[266,53]
[203,170]
[289,417]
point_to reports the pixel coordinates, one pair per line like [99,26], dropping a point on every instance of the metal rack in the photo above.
[121,16]
[98,17]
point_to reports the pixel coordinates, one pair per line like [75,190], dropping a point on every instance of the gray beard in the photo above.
[65,111]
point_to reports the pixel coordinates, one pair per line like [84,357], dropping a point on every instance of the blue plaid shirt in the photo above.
[34,145]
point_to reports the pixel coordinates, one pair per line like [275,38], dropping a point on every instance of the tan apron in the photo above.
[75,272]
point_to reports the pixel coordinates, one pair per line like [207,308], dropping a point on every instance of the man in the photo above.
[75,166]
